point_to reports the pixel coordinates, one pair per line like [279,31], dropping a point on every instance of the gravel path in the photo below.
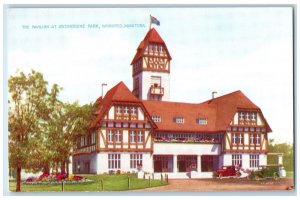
[225,184]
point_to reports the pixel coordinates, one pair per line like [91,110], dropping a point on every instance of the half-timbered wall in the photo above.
[246,133]
[126,128]
[86,143]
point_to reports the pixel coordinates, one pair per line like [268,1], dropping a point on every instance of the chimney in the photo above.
[104,89]
[213,94]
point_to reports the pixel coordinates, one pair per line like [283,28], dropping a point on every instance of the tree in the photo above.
[27,112]
[288,157]
[67,122]
[42,129]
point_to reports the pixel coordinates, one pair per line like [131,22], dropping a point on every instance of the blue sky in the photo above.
[213,49]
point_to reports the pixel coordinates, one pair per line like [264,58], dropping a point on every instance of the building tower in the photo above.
[151,69]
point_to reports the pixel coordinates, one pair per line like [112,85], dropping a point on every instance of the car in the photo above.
[227,171]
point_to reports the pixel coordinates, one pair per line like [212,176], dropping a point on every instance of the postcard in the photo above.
[150,99]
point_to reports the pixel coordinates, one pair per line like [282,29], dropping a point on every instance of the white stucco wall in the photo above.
[260,121]
[227,159]
[145,83]
[111,113]
[236,119]
[187,149]
[125,162]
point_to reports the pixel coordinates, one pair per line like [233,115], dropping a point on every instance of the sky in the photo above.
[212,49]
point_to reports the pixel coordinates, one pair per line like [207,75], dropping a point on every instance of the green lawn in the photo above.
[290,174]
[111,183]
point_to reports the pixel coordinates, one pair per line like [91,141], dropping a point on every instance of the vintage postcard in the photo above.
[150,99]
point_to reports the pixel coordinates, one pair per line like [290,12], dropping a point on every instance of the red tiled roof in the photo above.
[119,93]
[219,111]
[190,112]
[227,105]
[151,37]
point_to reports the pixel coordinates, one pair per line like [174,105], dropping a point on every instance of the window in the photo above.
[253,116]
[237,138]
[114,136]
[179,120]
[118,136]
[247,118]
[135,160]
[126,110]
[122,112]
[110,136]
[118,110]
[140,136]
[202,121]
[114,161]
[254,160]
[255,139]
[156,81]
[133,110]
[209,163]
[237,159]
[156,118]
[132,136]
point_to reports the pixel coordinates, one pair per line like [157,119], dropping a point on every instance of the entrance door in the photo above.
[87,167]
[182,166]
[157,166]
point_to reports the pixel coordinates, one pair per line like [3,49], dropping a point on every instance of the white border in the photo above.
[116,2]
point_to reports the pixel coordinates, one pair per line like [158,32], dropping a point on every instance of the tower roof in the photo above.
[151,37]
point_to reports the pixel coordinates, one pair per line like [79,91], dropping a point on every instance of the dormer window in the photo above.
[202,121]
[179,120]
[156,118]
[118,110]
[247,118]
[126,110]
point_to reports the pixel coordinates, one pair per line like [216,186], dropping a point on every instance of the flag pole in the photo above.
[150,23]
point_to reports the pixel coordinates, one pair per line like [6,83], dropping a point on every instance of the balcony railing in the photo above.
[156,90]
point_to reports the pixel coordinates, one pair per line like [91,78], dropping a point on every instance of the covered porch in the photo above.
[184,166]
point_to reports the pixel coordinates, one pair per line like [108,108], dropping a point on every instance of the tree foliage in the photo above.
[41,127]
[27,111]
[288,157]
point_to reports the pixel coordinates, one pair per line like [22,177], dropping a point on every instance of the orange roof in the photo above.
[190,112]
[119,93]
[219,111]
[151,37]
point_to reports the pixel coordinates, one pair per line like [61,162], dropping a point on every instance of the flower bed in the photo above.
[184,140]
[56,178]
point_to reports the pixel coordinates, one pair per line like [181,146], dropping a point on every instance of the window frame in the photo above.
[135,160]
[114,161]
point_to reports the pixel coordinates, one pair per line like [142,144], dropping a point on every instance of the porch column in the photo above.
[199,163]
[280,162]
[175,163]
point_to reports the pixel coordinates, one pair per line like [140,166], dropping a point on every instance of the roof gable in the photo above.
[119,93]
[152,36]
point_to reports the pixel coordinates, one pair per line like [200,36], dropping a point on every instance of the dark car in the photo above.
[227,171]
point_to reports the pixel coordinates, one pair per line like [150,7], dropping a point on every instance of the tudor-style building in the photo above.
[142,127]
